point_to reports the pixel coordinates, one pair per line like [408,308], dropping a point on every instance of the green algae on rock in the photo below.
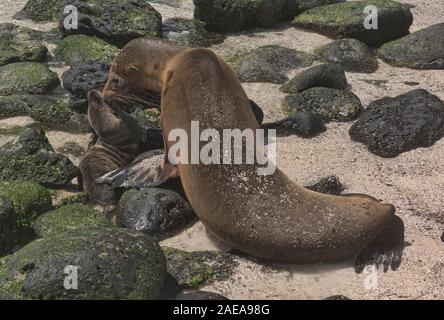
[30,157]
[41,10]
[16,45]
[423,49]
[346,20]
[69,217]
[194,269]
[112,263]
[79,48]
[76,198]
[53,112]
[9,228]
[27,78]
[116,21]
[326,103]
[270,64]
[352,54]
[323,75]
[29,199]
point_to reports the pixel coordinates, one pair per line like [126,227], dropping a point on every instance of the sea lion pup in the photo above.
[117,145]
[269,217]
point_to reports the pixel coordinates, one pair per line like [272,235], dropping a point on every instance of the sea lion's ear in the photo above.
[133,70]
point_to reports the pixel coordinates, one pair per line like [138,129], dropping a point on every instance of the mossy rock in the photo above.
[77,198]
[116,21]
[80,48]
[9,228]
[189,33]
[235,15]
[351,54]
[423,49]
[52,112]
[346,20]
[112,263]
[67,218]
[194,269]
[30,157]
[326,103]
[323,75]
[270,64]
[17,46]
[29,200]
[27,78]
[41,10]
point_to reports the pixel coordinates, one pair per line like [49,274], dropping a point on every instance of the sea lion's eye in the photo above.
[118,82]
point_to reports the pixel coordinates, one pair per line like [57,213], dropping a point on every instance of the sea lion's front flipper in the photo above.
[149,169]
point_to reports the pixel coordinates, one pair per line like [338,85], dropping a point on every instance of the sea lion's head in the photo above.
[113,125]
[138,69]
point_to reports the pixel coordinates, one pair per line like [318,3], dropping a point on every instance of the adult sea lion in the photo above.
[150,54]
[269,217]
[117,145]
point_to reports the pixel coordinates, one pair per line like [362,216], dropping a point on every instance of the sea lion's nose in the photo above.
[94,96]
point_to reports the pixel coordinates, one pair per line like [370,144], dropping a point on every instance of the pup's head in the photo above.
[113,125]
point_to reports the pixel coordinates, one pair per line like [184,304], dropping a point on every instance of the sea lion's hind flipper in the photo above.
[145,171]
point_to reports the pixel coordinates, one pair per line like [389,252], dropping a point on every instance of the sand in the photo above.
[413,182]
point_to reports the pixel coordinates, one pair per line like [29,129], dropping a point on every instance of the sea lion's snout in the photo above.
[94,96]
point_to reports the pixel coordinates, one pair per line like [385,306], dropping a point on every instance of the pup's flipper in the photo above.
[149,169]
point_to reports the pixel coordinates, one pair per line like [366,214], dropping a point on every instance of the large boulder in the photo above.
[352,54]
[323,75]
[81,48]
[67,218]
[110,263]
[154,211]
[28,78]
[270,64]
[328,104]
[346,20]
[82,77]
[53,112]
[235,15]
[17,46]
[390,126]
[423,49]
[116,21]
[41,10]
[30,157]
